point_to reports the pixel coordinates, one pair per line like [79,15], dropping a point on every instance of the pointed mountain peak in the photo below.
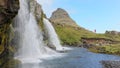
[60,16]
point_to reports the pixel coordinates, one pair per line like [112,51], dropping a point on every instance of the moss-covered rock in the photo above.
[38,12]
[8,10]
[12,63]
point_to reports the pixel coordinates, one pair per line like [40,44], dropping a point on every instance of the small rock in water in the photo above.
[111,64]
[62,51]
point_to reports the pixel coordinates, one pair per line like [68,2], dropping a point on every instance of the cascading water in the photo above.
[31,46]
[52,36]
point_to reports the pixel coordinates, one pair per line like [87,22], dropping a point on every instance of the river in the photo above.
[73,58]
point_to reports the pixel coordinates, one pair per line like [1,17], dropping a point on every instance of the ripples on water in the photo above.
[73,58]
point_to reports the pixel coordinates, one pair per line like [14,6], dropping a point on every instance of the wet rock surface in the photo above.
[36,9]
[111,64]
[8,10]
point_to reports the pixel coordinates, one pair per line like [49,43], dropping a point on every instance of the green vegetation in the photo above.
[6,50]
[3,37]
[113,37]
[71,35]
[40,22]
[107,49]
[11,64]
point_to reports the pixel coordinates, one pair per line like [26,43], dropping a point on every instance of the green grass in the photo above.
[71,35]
[112,49]
[107,49]
[113,37]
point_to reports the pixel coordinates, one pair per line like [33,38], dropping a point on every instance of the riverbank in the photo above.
[106,49]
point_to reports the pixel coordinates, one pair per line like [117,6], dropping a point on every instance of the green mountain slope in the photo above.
[70,33]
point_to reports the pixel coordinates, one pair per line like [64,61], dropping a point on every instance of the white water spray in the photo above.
[52,36]
[31,46]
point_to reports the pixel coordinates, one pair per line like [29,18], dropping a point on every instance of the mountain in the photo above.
[60,16]
[72,34]
[67,29]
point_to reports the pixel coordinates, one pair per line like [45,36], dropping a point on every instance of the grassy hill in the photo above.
[72,35]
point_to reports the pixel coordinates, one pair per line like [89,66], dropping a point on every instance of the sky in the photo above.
[99,15]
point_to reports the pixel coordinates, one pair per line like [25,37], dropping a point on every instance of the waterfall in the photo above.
[52,36]
[31,45]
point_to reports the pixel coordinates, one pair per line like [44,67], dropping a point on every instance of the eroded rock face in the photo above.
[60,16]
[98,41]
[8,10]
[36,9]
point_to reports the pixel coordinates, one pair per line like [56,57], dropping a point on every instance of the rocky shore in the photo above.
[111,64]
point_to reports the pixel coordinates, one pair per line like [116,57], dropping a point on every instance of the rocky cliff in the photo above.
[38,12]
[60,16]
[8,10]
[36,9]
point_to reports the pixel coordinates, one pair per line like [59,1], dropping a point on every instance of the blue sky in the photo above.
[101,15]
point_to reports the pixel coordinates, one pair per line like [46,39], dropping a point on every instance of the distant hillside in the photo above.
[114,35]
[69,32]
